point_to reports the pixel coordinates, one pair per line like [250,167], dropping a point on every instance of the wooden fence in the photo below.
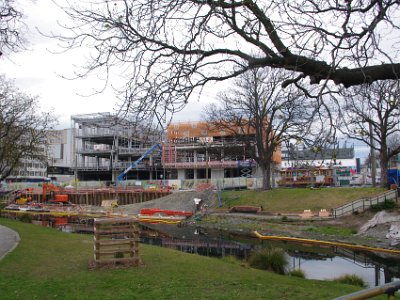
[116,242]
[363,204]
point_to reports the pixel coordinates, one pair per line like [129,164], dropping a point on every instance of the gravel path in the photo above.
[9,239]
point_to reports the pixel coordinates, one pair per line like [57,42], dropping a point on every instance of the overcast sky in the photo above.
[38,71]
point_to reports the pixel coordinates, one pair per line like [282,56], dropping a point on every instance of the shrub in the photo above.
[351,279]
[230,259]
[26,218]
[271,259]
[387,204]
[297,273]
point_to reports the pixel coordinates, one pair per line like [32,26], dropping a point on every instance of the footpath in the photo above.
[9,239]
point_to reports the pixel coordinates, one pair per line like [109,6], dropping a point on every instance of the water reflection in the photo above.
[316,262]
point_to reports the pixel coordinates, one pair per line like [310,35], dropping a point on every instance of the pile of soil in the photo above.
[178,200]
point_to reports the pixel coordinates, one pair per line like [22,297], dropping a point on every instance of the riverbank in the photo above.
[51,264]
[344,229]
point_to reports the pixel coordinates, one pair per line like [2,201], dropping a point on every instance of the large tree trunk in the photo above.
[266,176]
[383,157]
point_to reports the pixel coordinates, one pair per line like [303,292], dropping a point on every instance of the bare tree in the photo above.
[371,114]
[10,27]
[169,49]
[22,128]
[262,114]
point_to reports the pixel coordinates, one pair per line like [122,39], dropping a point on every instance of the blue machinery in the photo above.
[136,162]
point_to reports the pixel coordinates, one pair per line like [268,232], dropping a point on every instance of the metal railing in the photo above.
[363,204]
[389,289]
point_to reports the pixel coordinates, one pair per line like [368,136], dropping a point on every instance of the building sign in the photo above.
[206,139]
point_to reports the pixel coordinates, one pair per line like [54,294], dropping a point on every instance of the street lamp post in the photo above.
[207,162]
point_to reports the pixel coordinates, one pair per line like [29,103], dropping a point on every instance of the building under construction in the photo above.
[109,149]
[195,151]
[105,146]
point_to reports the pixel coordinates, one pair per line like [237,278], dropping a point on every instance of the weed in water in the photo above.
[271,259]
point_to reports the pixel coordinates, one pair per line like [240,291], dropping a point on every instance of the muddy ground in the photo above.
[209,215]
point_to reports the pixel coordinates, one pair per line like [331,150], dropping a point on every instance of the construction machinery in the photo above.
[52,194]
[23,197]
[136,162]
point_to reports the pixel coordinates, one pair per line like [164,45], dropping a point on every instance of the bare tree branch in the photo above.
[169,48]
[11,27]
[375,107]
[262,115]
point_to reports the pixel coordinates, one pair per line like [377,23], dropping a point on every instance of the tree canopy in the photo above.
[371,113]
[168,49]
[23,128]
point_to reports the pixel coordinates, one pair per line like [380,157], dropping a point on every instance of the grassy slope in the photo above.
[296,199]
[49,264]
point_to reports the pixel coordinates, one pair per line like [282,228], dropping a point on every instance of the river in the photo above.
[323,263]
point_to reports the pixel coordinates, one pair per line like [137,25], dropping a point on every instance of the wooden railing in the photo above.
[363,204]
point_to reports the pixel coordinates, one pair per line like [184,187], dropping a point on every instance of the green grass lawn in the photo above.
[297,199]
[49,264]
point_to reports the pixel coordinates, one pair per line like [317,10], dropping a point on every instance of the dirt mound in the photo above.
[179,200]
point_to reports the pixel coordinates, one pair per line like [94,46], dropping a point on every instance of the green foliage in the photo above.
[231,259]
[385,205]
[271,259]
[26,218]
[2,205]
[297,273]
[351,279]
[119,255]
[338,231]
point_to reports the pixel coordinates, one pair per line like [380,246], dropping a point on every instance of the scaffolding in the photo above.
[105,145]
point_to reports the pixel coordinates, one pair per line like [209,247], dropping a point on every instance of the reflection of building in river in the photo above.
[374,269]
[381,269]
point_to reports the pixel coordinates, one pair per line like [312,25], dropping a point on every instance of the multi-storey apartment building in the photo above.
[60,154]
[194,151]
